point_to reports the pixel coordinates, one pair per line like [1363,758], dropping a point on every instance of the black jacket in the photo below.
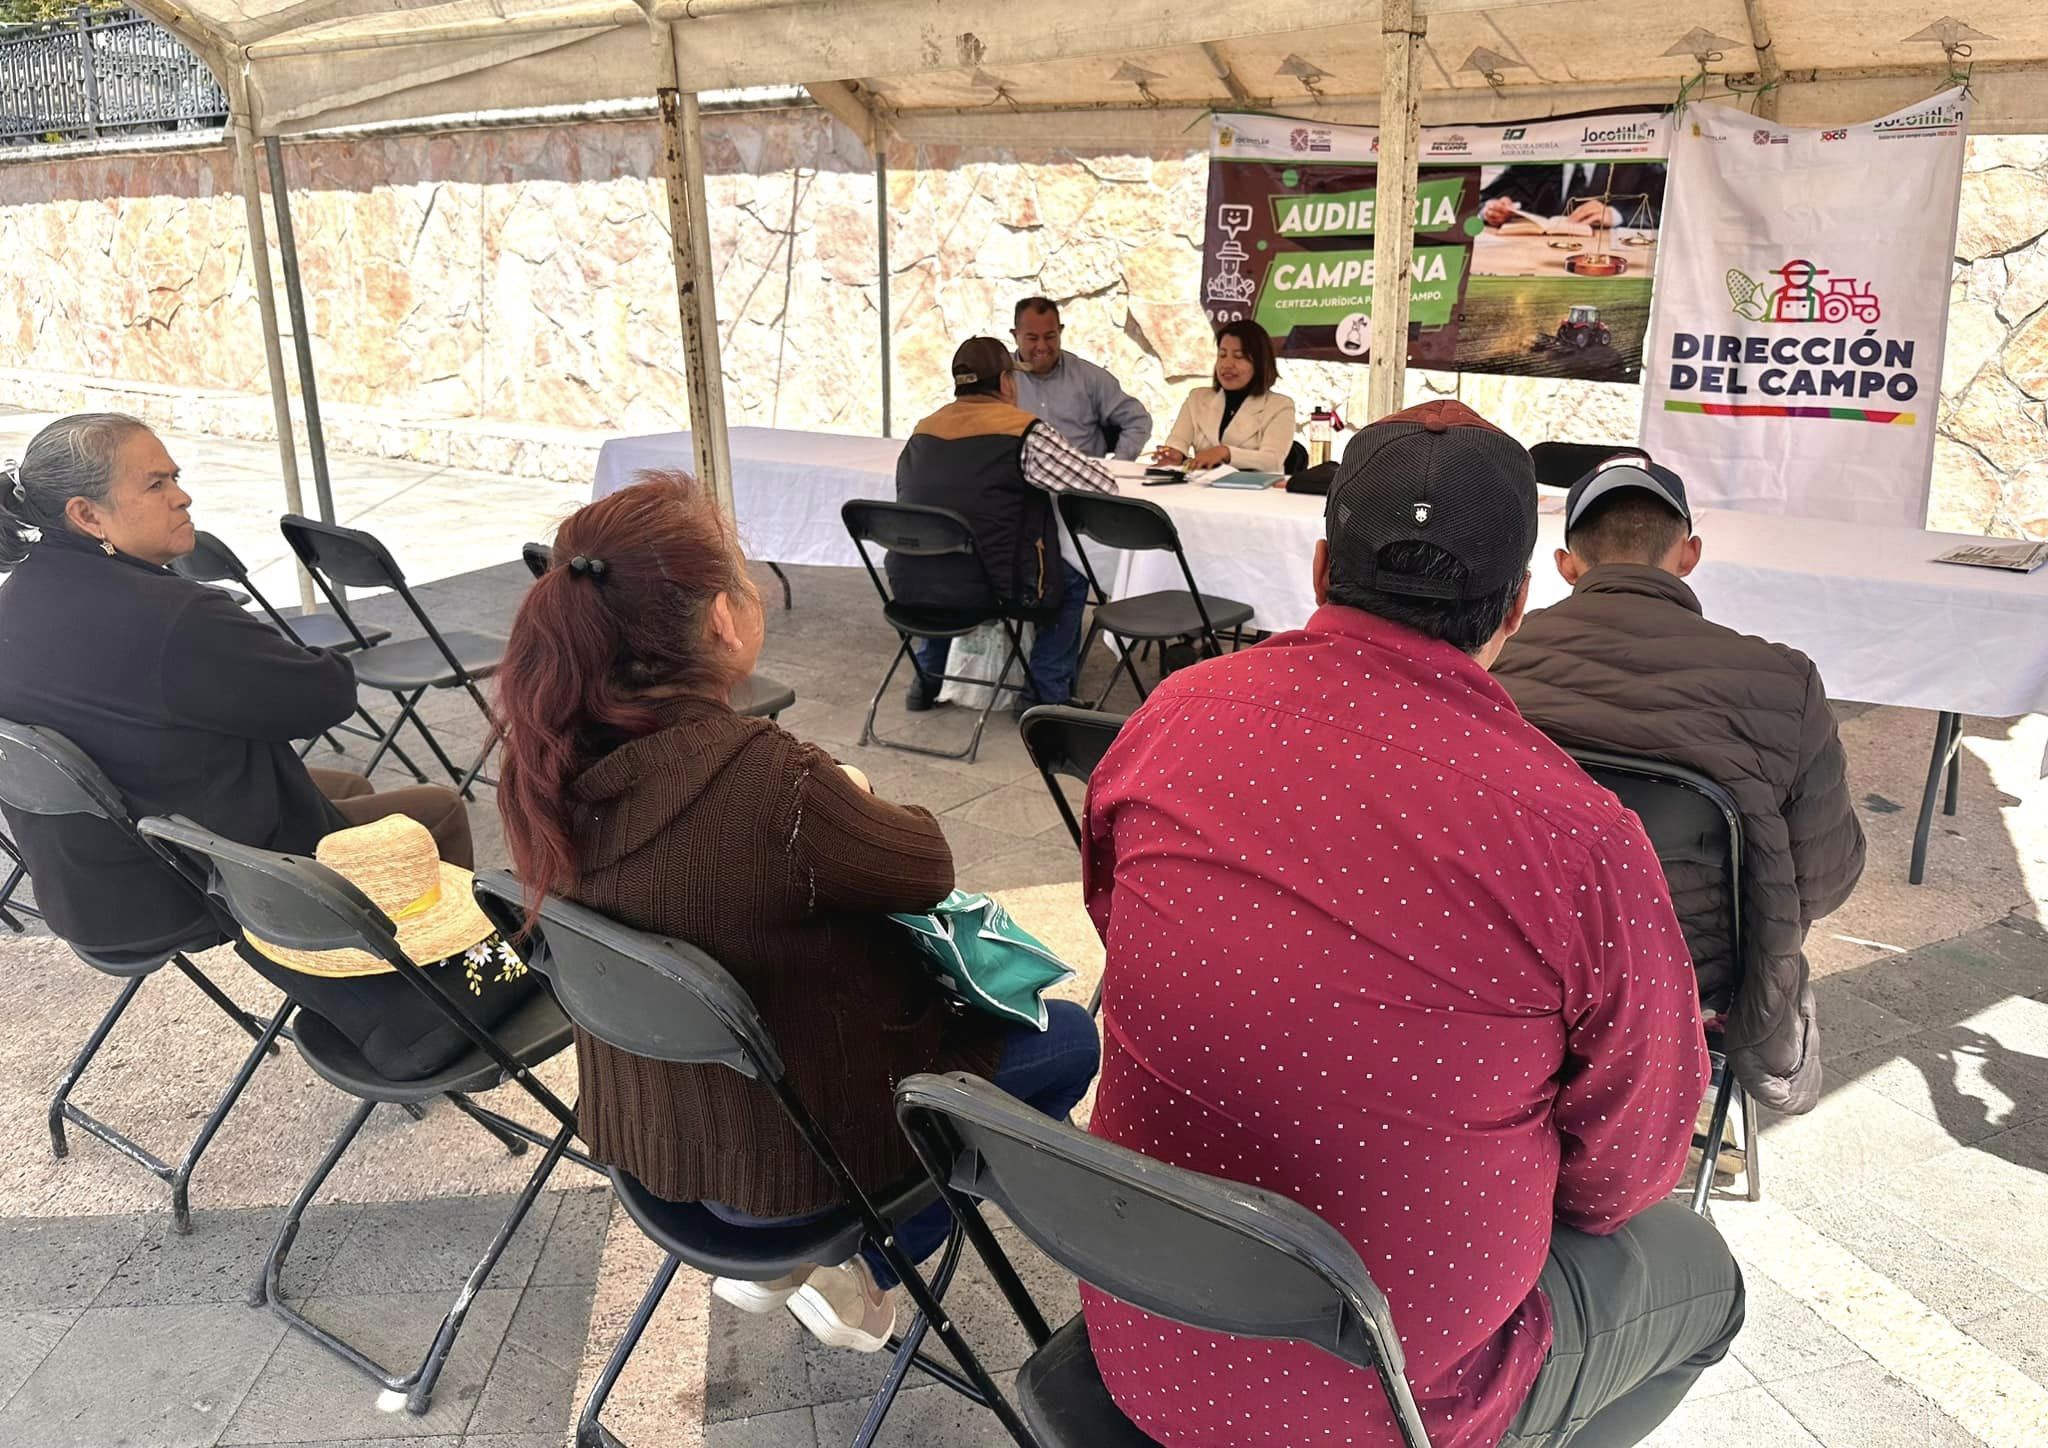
[969,456]
[187,703]
[1628,663]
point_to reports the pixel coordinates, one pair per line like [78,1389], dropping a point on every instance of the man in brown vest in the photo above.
[987,459]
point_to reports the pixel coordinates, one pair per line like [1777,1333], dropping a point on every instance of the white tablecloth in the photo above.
[787,486]
[1885,624]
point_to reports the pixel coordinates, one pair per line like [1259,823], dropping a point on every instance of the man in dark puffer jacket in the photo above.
[1629,664]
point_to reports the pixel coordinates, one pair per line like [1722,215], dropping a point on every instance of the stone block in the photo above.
[2003,209]
[2026,357]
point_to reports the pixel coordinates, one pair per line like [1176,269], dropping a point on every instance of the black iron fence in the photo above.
[102,72]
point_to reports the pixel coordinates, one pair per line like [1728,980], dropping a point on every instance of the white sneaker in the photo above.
[758,1297]
[844,1307]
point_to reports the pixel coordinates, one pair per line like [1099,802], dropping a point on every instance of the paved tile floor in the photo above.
[1897,1267]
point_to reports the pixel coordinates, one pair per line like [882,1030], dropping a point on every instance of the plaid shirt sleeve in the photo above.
[1057,466]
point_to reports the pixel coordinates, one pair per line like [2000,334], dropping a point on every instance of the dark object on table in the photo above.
[1315,481]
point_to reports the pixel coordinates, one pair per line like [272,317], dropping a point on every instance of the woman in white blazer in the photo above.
[1239,421]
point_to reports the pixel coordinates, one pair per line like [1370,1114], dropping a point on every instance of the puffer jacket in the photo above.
[1629,664]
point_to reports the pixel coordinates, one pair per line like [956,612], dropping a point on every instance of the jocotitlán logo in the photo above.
[1799,297]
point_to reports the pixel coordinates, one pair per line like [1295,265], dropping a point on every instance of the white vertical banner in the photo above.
[1794,359]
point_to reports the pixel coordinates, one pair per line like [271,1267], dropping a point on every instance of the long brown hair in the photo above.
[622,611]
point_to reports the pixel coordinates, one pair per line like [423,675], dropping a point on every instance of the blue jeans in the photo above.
[1049,1070]
[1055,654]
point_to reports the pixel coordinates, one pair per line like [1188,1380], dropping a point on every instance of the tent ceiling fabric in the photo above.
[1083,71]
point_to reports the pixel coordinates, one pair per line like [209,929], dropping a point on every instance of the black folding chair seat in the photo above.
[303,904]
[664,1000]
[1064,1399]
[322,630]
[43,773]
[760,697]
[417,664]
[760,1254]
[934,623]
[1169,614]
[536,1032]
[1693,819]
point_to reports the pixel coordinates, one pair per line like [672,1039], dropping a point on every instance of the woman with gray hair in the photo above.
[189,704]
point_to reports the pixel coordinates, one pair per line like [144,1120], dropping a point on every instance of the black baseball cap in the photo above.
[980,361]
[1625,472]
[1437,473]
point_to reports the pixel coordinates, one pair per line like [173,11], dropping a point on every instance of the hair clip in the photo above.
[11,471]
[592,568]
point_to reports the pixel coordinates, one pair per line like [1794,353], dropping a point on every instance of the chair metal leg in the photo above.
[514,1145]
[1710,1149]
[868,734]
[776,569]
[61,1108]
[906,1348]
[589,1432]
[1948,737]
[417,1385]
[933,1311]
[1750,1140]
[181,1180]
[254,1025]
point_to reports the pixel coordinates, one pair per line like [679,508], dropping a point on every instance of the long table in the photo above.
[1885,624]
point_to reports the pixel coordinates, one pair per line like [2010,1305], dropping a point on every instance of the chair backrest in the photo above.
[1133,525]
[915,529]
[643,993]
[1199,1250]
[347,556]
[211,561]
[1065,742]
[42,772]
[1560,464]
[539,558]
[1690,819]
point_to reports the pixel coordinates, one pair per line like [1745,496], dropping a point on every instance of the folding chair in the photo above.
[1139,525]
[759,697]
[305,905]
[1690,819]
[11,910]
[43,773]
[1196,1249]
[212,561]
[667,1001]
[1067,743]
[339,558]
[917,531]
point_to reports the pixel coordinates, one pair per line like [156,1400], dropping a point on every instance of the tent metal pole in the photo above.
[244,126]
[882,276]
[1393,246]
[682,136]
[302,341]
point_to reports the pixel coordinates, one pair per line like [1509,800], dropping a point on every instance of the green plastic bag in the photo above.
[986,959]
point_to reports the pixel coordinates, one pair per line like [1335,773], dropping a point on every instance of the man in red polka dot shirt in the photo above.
[1377,944]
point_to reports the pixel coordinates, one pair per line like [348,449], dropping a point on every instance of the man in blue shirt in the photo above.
[1082,401]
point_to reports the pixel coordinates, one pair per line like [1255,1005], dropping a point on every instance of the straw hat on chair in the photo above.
[427,900]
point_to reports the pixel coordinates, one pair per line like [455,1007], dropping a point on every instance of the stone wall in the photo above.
[504,298]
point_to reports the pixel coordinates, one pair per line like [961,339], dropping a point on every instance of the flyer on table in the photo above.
[1534,242]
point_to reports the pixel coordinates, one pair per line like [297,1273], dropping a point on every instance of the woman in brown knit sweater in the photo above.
[629,784]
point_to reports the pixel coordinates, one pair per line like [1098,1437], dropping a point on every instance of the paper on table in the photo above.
[1205,476]
[1124,469]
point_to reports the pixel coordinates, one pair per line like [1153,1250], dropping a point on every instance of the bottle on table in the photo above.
[1323,426]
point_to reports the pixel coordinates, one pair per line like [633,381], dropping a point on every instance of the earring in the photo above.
[106,548]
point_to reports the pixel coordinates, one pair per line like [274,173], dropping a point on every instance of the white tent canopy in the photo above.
[1082,71]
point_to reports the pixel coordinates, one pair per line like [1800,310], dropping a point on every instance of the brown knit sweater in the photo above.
[756,848]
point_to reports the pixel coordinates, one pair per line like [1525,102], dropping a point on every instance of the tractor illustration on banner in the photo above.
[1798,298]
